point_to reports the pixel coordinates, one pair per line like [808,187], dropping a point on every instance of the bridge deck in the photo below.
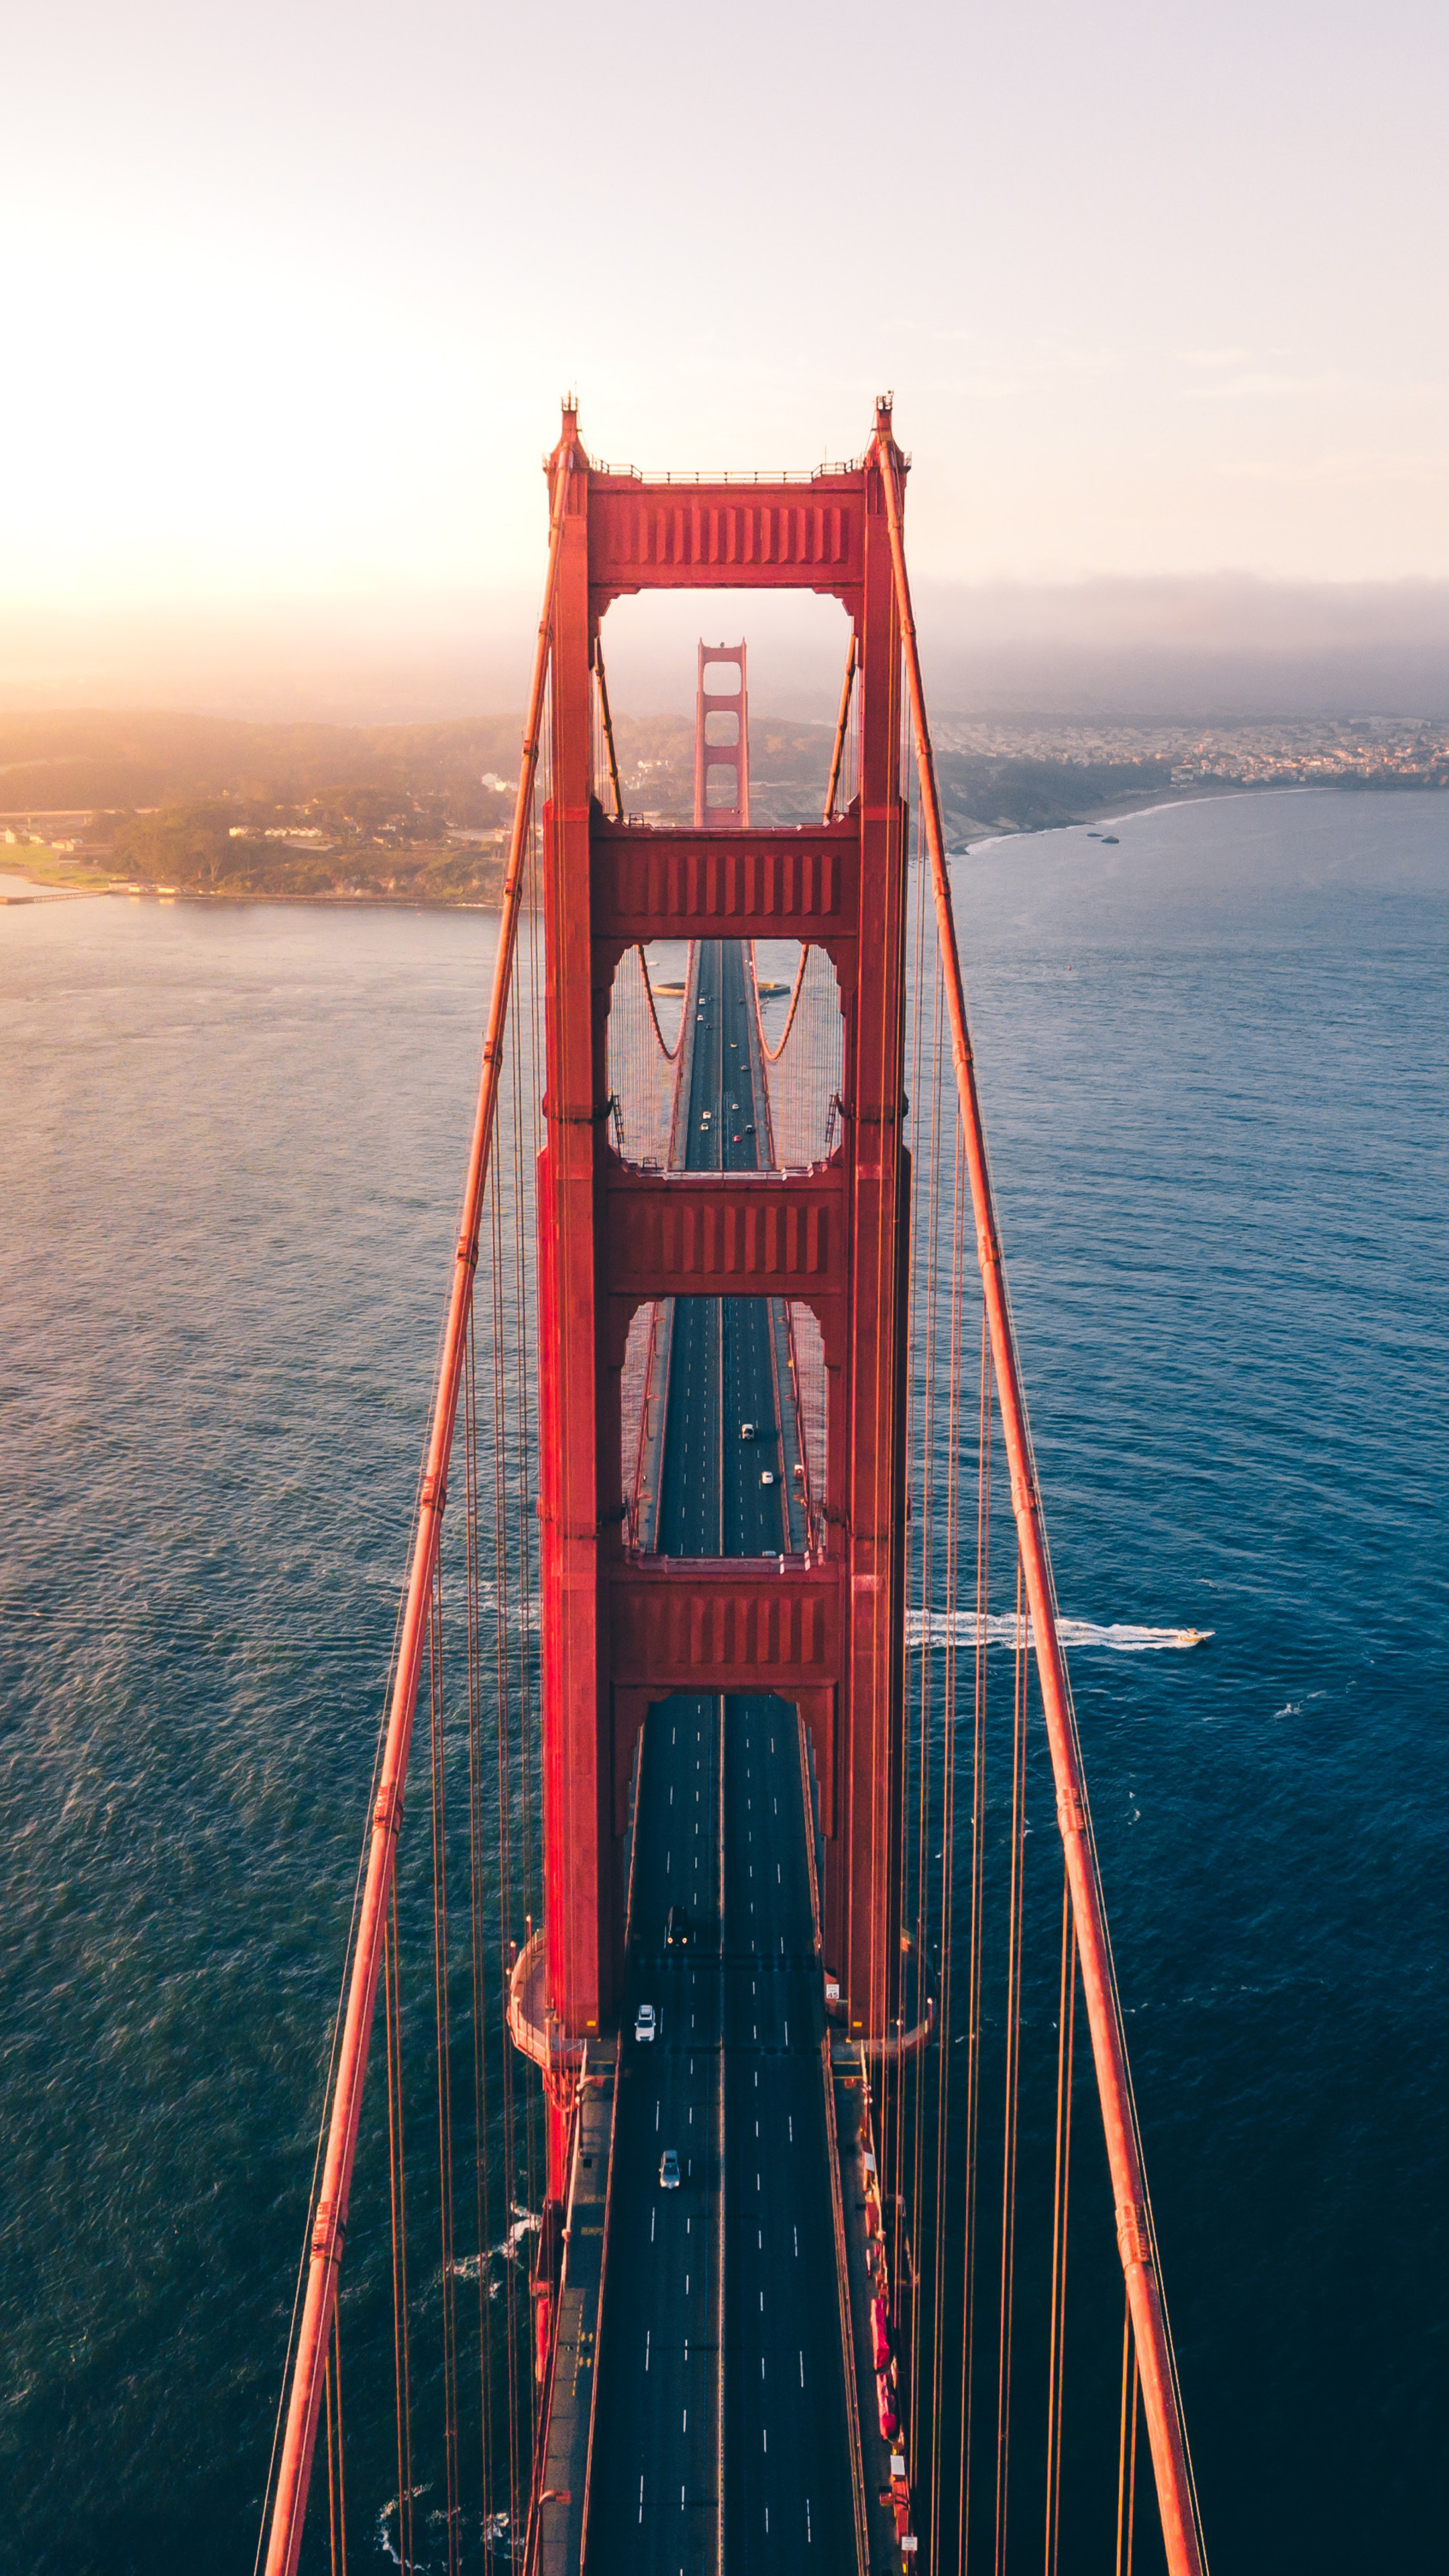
[721,2429]
[563,2476]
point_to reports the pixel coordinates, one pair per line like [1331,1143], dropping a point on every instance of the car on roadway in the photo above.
[669,2170]
[749,1131]
[747,1431]
[646,2022]
[676,1928]
[767,1475]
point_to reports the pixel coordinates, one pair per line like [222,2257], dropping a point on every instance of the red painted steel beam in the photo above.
[712,1234]
[869,1495]
[1135,2237]
[758,884]
[725,536]
[580,1495]
[726,1624]
[329,2218]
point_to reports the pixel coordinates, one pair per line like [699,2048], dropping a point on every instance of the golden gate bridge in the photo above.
[761,2033]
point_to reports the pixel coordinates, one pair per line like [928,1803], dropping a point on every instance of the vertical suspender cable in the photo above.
[1061,2208]
[447,2276]
[608,724]
[948,1849]
[331,2468]
[478,1944]
[507,1915]
[1127,2449]
[1161,2396]
[1010,2120]
[329,2217]
[397,2193]
[977,1928]
[841,723]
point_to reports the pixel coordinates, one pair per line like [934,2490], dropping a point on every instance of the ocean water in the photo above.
[1214,1065]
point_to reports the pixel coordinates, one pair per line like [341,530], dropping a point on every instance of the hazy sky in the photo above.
[291,290]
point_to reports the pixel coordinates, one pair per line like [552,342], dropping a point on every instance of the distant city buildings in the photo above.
[1322,751]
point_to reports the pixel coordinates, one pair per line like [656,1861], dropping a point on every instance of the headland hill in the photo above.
[212,809]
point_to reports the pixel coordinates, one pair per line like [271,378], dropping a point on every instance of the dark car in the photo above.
[676,1929]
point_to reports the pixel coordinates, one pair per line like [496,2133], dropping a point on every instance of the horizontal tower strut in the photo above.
[732,1624]
[709,1234]
[652,883]
[726,536]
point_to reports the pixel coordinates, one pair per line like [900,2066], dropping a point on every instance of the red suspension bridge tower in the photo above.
[819,1623]
[622,1632]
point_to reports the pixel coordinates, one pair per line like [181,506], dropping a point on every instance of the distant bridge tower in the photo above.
[716,748]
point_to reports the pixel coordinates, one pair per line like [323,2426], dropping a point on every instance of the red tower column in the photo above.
[573,1373]
[874,1458]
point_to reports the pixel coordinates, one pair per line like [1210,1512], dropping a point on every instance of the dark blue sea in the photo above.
[1214,1059]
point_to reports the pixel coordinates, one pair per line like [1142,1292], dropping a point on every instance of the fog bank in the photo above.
[1188,649]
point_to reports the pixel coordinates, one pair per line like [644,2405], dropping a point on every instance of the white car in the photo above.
[747,1431]
[669,2170]
[646,2022]
[767,1475]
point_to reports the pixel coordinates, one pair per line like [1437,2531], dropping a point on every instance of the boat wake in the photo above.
[963,1628]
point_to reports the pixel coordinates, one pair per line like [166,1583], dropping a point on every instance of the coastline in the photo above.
[49,878]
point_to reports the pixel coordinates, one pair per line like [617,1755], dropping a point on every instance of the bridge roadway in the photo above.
[720,2439]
